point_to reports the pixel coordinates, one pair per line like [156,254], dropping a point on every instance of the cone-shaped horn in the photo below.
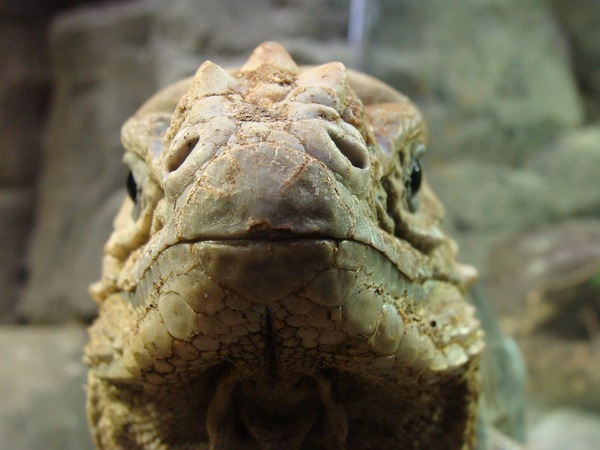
[324,84]
[271,54]
[331,75]
[211,79]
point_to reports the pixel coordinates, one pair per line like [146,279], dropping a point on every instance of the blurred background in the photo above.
[510,90]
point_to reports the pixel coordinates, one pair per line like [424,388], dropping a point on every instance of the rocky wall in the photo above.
[24,87]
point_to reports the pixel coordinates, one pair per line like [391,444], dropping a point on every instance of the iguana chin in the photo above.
[278,277]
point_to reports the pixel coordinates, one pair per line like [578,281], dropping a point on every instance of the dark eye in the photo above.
[132,188]
[413,177]
[416,176]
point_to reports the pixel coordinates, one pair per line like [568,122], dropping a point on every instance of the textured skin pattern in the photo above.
[279,279]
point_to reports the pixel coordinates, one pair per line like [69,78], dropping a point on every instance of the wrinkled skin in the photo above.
[278,278]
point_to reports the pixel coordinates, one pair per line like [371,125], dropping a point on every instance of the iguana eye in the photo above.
[416,176]
[132,188]
[413,184]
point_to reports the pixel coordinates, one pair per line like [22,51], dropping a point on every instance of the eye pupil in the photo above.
[413,184]
[132,189]
[416,176]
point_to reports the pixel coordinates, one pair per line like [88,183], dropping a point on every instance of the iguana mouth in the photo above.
[325,293]
[264,269]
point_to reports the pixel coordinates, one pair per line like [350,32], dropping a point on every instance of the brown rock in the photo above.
[544,284]
[579,20]
[16,214]
[23,93]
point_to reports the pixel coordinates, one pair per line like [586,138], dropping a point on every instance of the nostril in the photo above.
[180,154]
[354,152]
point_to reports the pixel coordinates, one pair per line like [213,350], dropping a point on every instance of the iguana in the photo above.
[278,277]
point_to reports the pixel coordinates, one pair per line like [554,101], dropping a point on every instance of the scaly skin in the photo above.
[279,279]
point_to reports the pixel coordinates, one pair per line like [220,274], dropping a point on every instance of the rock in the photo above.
[185,36]
[32,9]
[16,217]
[571,167]
[566,429]
[24,86]
[486,203]
[563,365]
[539,257]
[483,196]
[103,73]
[579,19]
[42,389]
[544,283]
[493,84]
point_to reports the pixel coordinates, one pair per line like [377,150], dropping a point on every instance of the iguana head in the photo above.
[280,250]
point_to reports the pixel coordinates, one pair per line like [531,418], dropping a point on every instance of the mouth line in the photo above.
[402,255]
[261,248]
[266,237]
[275,238]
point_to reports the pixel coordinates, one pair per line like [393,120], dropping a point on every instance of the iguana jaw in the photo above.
[320,296]
[233,321]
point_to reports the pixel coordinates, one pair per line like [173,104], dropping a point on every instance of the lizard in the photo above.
[278,276]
